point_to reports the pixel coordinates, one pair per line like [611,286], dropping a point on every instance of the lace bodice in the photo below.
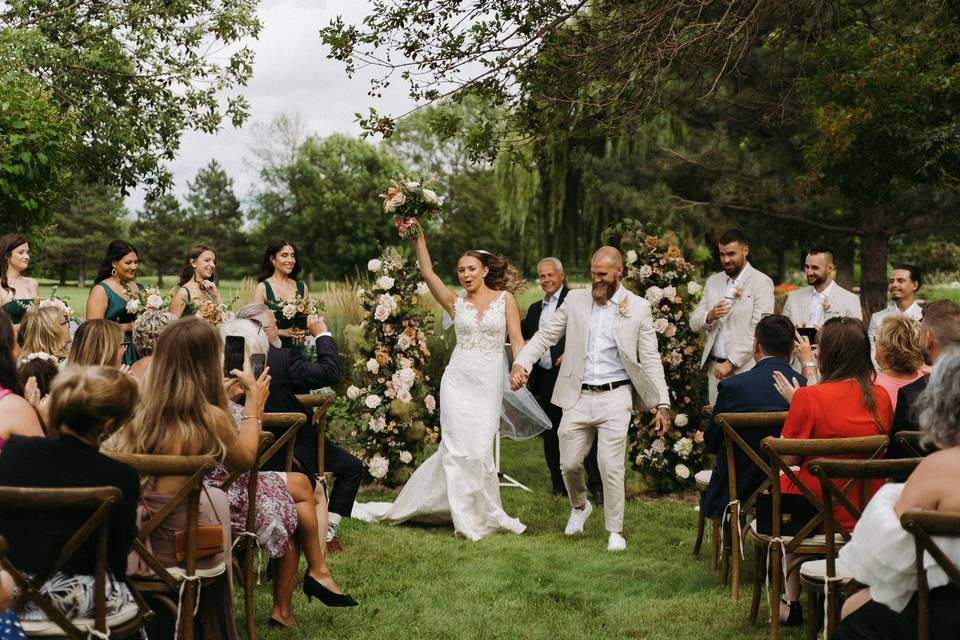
[474,333]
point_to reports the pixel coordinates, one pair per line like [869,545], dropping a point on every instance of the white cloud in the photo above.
[291,75]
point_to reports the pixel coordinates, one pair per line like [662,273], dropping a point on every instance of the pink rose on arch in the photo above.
[430,403]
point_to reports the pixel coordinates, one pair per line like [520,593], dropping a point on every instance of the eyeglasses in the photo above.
[260,326]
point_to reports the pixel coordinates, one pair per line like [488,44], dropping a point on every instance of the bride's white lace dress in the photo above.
[459,482]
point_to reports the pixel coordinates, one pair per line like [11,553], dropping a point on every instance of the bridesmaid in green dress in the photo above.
[16,290]
[112,290]
[278,282]
[196,282]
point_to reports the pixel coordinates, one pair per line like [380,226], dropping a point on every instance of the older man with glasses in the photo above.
[292,374]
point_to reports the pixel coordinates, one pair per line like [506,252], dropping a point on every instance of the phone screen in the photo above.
[809,332]
[233,354]
[257,363]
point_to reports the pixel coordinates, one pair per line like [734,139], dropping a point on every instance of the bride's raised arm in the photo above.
[438,289]
[513,324]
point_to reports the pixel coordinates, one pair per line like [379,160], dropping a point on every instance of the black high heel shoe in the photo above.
[313,589]
[795,617]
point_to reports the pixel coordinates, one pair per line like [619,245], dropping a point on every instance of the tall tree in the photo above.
[162,232]
[217,220]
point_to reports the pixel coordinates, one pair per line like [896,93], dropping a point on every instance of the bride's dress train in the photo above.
[459,482]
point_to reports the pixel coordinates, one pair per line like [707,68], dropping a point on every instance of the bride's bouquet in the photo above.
[410,199]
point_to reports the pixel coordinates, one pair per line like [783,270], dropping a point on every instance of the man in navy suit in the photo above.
[749,392]
[544,377]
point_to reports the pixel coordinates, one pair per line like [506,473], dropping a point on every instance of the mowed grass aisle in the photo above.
[422,582]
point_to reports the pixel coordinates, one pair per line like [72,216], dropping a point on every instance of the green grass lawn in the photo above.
[422,582]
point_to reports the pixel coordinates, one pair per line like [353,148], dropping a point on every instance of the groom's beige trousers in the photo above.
[606,414]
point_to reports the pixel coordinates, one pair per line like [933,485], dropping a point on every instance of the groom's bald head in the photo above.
[606,267]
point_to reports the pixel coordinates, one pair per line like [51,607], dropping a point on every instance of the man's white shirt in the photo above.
[719,350]
[549,307]
[603,360]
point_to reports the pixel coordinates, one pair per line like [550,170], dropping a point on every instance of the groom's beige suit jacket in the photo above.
[636,343]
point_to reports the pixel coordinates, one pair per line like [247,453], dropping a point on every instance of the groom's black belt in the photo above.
[716,359]
[607,386]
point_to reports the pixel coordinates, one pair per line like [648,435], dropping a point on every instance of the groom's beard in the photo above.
[604,291]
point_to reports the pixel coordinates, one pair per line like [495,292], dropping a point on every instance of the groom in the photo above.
[611,366]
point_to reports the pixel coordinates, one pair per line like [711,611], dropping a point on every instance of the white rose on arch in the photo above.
[670,292]
[353,392]
[646,271]
[682,471]
[373,366]
[660,324]
[430,403]
[403,395]
[654,295]
[372,401]
[378,467]
[373,265]
[681,420]
[693,288]
[631,256]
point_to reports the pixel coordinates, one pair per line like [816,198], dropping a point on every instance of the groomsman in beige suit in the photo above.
[732,304]
[824,298]
[611,366]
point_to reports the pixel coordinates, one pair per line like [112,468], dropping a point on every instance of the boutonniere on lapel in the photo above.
[825,303]
[737,294]
[623,309]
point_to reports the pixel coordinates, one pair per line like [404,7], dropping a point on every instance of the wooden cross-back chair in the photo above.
[702,481]
[817,575]
[806,542]
[733,426]
[99,502]
[319,402]
[174,587]
[924,525]
[907,443]
[287,424]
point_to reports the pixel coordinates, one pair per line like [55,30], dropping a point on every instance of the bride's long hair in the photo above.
[501,274]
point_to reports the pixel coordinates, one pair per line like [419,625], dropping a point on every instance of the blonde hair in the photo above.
[147,329]
[96,343]
[85,398]
[899,336]
[40,332]
[183,396]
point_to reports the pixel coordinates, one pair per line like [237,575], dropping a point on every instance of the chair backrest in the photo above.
[733,424]
[284,427]
[98,501]
[908,444]
[195,469]
[320,402]
[872,447]
[853,471]
[924,525]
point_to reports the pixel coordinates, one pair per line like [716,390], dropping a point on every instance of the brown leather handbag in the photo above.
[209,539]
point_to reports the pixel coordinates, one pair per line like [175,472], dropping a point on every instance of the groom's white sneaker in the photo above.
[577,519]
[616,542]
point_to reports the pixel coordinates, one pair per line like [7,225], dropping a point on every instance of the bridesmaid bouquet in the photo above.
[145,300]
[53,300]
[290,308]
[216,313]
[409,199]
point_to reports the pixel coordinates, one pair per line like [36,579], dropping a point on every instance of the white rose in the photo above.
[404,342]
[646,271]
[154,301]
[430,196]
[654,295]
[385,283]
[289,310]
[406,376]
[381,313]
[373,265]
[372,401]
[406,457]
[660,324]
[670,292]
[631,256]
[373,366]
[378,424]
[403,395]
[353,392]
[360,292]
[387,302]
[133,306]
[430,403]
[681,420]
[378,466]
[693,288]
[411,185]
[422,288]
[682,471]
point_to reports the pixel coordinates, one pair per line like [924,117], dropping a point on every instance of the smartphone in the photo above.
[257,363]
[300,321]
[809,332]
[233,354]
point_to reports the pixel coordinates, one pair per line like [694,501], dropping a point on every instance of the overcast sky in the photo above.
[291,75]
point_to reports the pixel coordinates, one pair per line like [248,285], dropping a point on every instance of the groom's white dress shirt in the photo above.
[603,359]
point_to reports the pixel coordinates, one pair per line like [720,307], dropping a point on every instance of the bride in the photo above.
[459,482]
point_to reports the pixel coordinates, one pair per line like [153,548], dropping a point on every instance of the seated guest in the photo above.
[939,332]
[10,628]
[45,330]
[85,403]
[291,374]
[899,354]
[287,517]
[146,330]
[749,392]
[17,415]
[881,553]
[845,404]
[36,374]
[98,343]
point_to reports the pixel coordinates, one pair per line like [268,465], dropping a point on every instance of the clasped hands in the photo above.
[518,377]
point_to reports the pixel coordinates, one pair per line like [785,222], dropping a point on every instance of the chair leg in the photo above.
[759,567]
[714,543]
[735,546]
[724,556]
[701,525]
[248,585]
[776,578]
[810,619]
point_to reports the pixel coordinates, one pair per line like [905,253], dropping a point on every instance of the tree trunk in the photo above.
[159,279]
[82,276]
[843,257]
[63,276]
[874,250]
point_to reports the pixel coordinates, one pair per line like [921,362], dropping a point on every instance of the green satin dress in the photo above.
[283,323]
[117,311]
[16,309]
